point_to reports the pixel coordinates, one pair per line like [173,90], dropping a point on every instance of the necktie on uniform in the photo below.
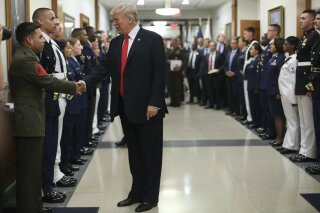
[231,58]
[124,53]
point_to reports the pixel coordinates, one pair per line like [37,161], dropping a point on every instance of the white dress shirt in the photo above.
[132,35]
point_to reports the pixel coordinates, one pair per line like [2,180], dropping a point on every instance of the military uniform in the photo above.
[175,81]
[239,74]
[266,119]
[315,89]
[252,76]
[27,80]
[308,144]
[247,60]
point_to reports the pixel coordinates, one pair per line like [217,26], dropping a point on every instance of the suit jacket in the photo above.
[27,80]
[203,70]
[48,62]
[193,72]
[218,64]
[233,62]
[144,75]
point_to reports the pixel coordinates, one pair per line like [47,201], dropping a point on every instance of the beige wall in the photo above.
[247,10]
[35,4]
[290,8]
[315,4]
[221,16]
[3,50]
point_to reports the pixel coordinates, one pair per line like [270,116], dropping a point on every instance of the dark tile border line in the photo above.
[197,143]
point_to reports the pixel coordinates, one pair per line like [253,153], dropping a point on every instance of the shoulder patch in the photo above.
[40,71]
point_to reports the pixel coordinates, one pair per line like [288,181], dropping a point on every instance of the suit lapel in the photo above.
[134,45]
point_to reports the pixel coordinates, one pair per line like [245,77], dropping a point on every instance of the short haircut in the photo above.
[293,40]
[257,47]
[77,32]
[92,38]
[127,9]
[277,27]
[24,30]
[310,12]
[72,41]
[39,13]
[318,12]
[90,30]
[241,38]
[250,30]
[278,44]
[62,44]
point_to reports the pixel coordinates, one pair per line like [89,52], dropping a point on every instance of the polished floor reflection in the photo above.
[222,168]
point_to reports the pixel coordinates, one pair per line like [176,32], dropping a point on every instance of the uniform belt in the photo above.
[305,63]
[60,76]
[315,69]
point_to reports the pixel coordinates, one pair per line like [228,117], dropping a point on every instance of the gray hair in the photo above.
[127,9]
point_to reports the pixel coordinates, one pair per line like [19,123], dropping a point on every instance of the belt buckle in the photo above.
[310,87]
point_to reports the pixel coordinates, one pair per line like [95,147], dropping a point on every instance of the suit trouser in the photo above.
[204,92]
[233,97]
[316,118]
[246,98]
[57,173]
[175,86]
[292,137]
[28,179]
[192,86]
[145,143]
[49,152]
[308,141]
[82,134]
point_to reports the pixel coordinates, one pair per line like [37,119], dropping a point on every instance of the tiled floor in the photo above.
[222,168]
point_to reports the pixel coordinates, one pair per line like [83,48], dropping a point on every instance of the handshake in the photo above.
[80,87]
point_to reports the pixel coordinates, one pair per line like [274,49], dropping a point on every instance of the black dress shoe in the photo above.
[267,137]
[279,148]
[246,122]
[67,172]
[91,145]
[77,162]
[66,182]
[73,168]
[45,210]
[53,197]
[260,130]
[313,170]
[276,143]
[62,194]
[86,151]
[83,159]
[127,202]
[252,126]
[145,207]
[301,158]
[287,151]
[122,142]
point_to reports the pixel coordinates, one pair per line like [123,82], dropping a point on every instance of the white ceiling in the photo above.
[153,4]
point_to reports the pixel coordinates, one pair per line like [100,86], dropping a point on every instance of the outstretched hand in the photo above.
[81,87]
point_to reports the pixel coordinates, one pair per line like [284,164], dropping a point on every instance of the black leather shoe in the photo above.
[45,210]
[145,207]
[267,137]
[53,197]
[66,182]
[62,194]
[276,143]
[252,126]
[313,170]
[86,151]
[73,168]
[301,158]
[122,142]
[67,172]
[287,151]
[246,122]
[127,202]
[260,130]
[83,159]
[91,145]
[77,162]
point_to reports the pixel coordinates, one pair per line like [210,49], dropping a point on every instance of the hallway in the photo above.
[211,163]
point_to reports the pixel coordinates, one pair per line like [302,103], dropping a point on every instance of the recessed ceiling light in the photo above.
[140,2]
[185,2]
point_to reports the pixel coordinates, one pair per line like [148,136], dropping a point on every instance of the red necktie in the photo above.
[124,53]
[210,62]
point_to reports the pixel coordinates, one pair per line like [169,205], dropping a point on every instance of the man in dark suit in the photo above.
[230,67]
[27,80]
[214,77]
[192,73]
[204,51]
[136,61]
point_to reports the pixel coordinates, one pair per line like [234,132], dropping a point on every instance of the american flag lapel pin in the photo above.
[139,39]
